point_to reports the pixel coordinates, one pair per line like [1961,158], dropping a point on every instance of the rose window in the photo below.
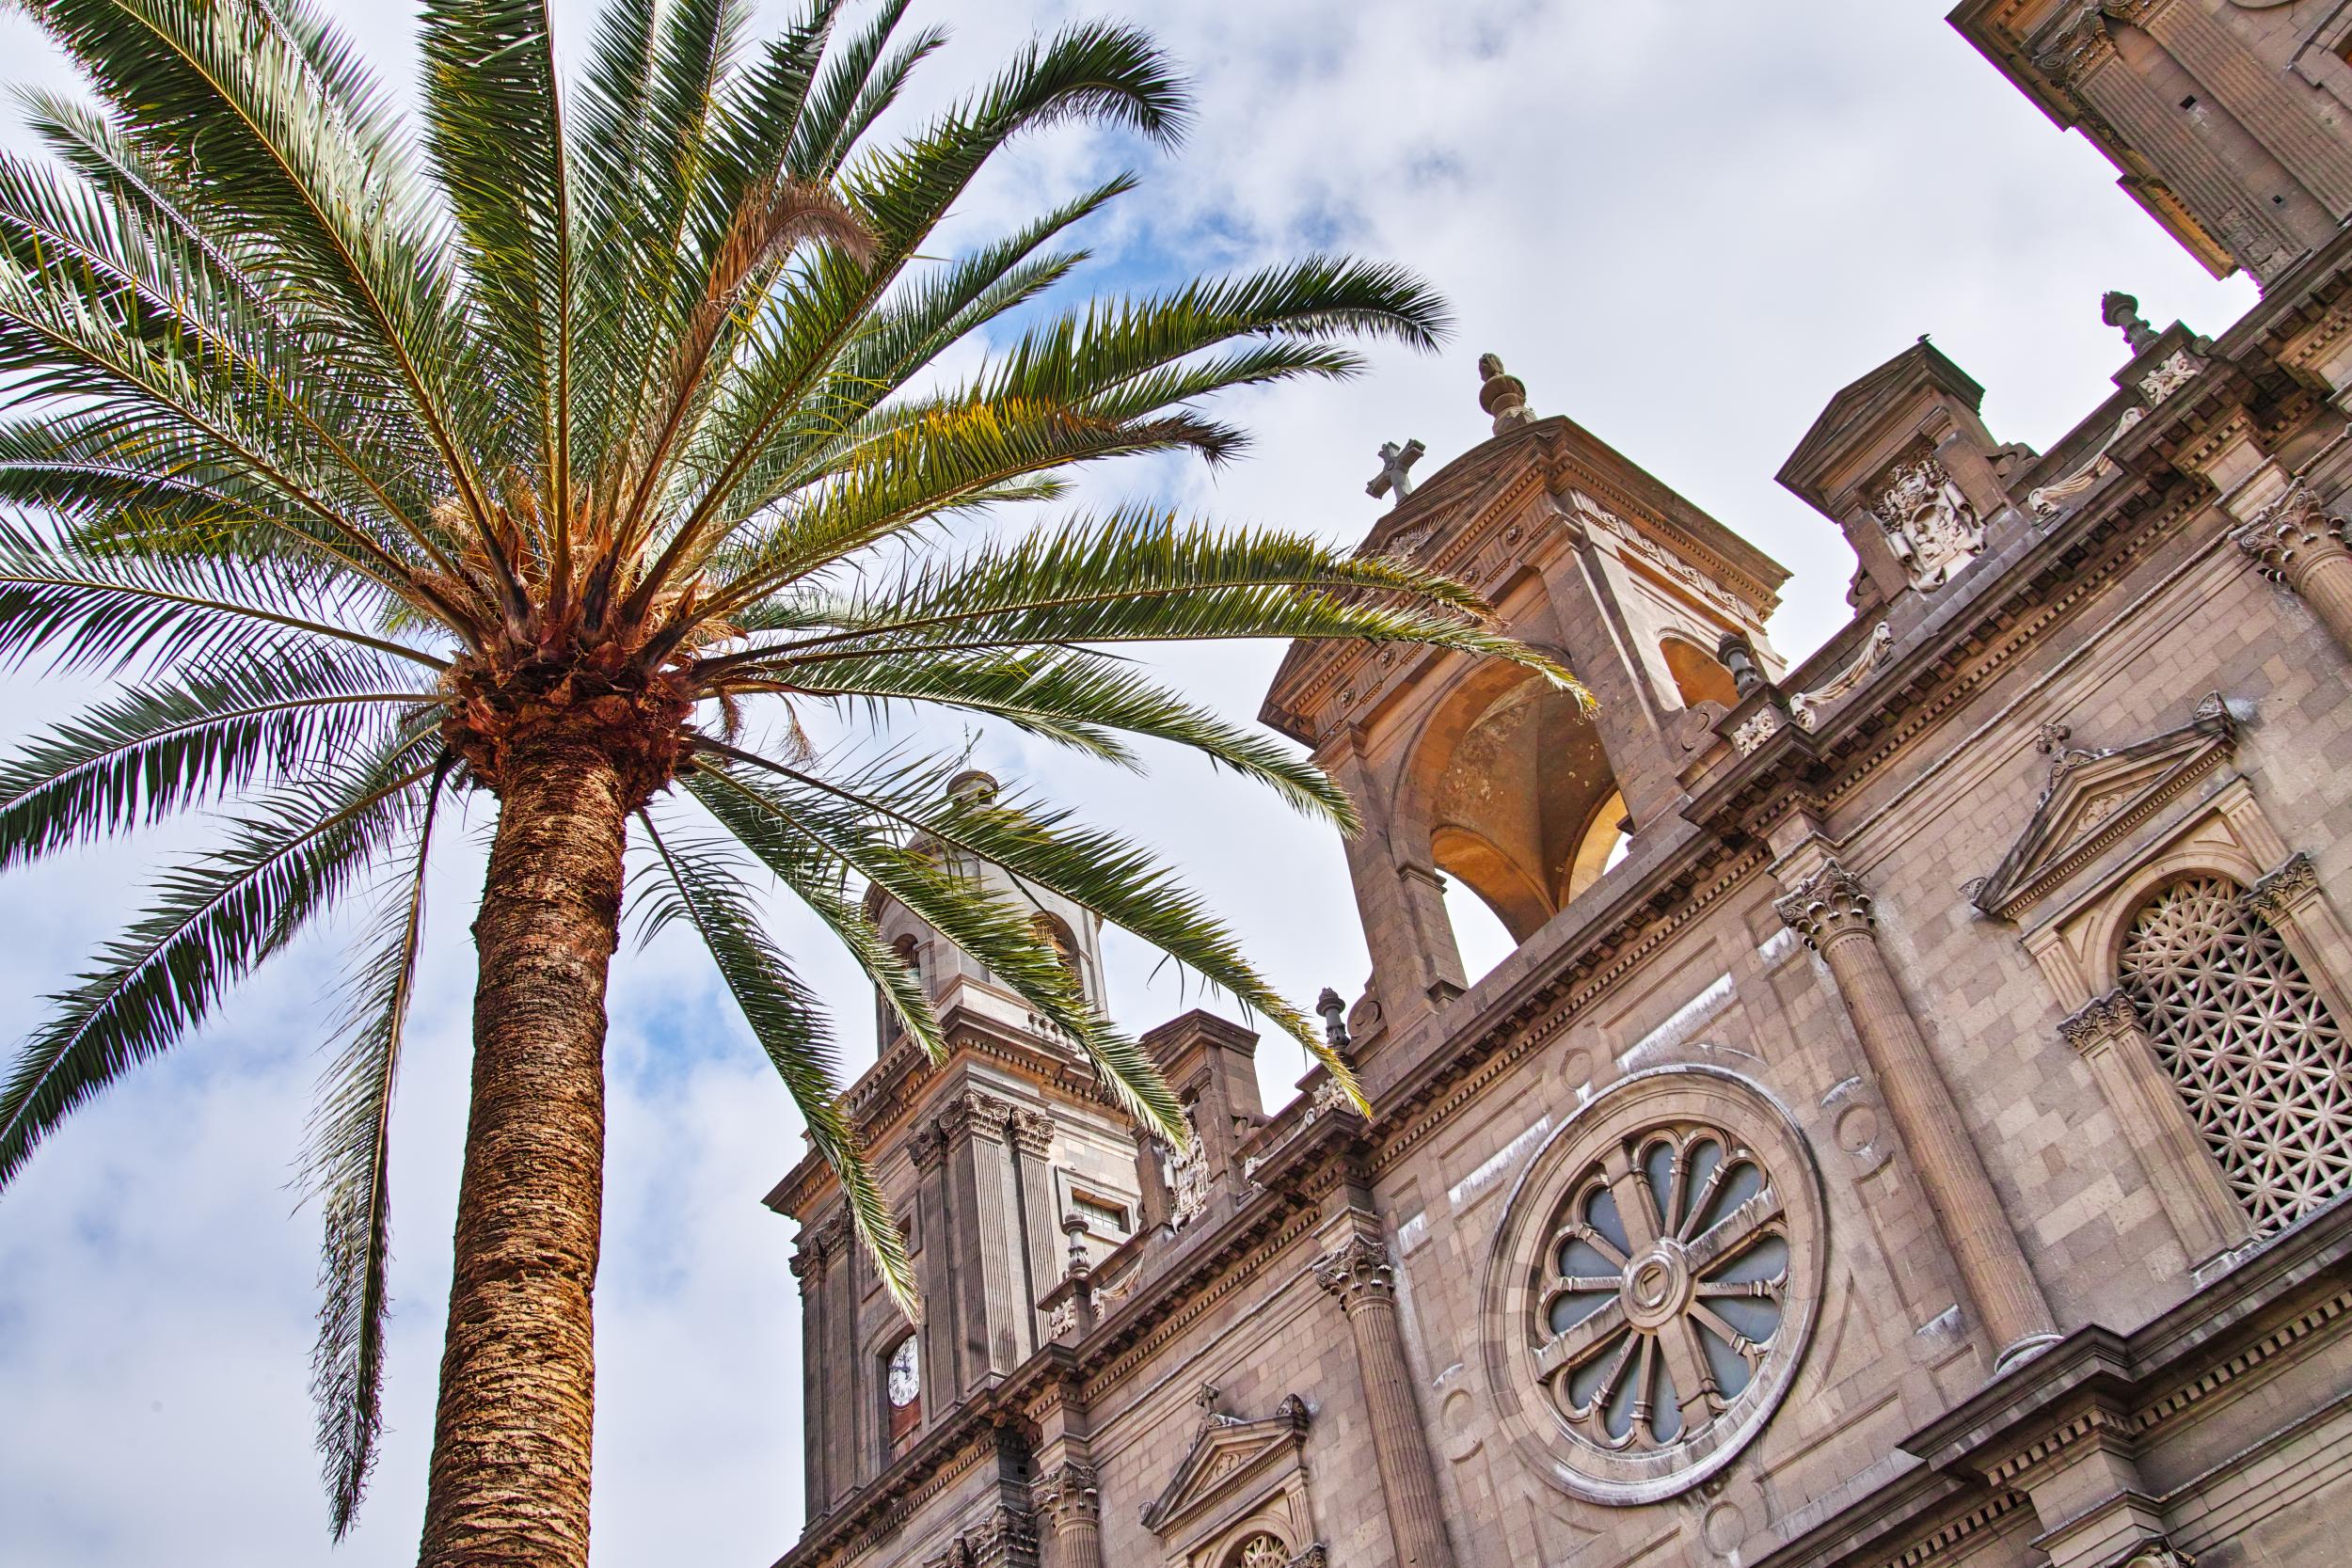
[1262,1551]
[1659,1276]
[1660,1309]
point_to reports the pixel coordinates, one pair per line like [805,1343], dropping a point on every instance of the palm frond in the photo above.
[110,612]
[1081,700]
[347,1165]
[868,838]
[495,135]
[149,752]
[211,922]
[700,886]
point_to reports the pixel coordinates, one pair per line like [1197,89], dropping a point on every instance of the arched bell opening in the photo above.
[1699,677]
[1523,810]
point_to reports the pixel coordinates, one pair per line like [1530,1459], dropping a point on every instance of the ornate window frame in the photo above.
[1239,1478]
[2078,944]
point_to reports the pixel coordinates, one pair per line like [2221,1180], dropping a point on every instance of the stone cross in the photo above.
[1396,470]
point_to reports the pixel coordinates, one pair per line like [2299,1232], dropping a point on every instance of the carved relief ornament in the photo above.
[1804,708]
[1069,1492]
[2081,41]
[2098,1022]
[1358,1271]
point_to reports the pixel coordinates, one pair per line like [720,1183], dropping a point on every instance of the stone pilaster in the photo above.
[1830,910]
[2107,1034]
[2297,540]
[808,1269]
[1359,1272]
[943,1371]
[838,1382]
[1032,1133]
[993,1313]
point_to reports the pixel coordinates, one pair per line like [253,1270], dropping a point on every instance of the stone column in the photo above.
[1070,1504]
[1830,910]
[2107,1033]
[1359,1272]
[2296,541]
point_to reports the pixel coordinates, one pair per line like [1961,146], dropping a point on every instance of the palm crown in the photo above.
[376,466]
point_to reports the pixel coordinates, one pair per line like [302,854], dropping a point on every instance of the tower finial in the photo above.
[2118,309]
[1503,395]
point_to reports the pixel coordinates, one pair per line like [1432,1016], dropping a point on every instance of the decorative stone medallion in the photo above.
[1655,1284]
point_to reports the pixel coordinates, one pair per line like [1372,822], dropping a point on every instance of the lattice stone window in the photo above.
[1262,1551]
[2260,1061]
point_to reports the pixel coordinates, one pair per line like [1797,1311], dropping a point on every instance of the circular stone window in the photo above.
[1655,1284]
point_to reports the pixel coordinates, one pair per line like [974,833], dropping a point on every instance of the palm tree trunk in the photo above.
[509,1480]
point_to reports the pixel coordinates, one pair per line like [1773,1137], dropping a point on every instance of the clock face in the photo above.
[906,1380]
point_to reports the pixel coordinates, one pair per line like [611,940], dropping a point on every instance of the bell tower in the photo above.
[1480,772]
[1001,1159]
[2231,123]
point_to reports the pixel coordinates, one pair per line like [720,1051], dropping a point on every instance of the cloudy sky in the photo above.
[1684,222]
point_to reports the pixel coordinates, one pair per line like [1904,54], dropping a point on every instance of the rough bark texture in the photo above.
[509,1479]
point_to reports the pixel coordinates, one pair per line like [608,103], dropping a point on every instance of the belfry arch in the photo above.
[1515,789]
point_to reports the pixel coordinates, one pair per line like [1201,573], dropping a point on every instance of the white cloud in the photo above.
[1685,226]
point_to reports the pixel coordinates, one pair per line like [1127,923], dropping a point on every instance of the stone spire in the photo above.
[1503,395]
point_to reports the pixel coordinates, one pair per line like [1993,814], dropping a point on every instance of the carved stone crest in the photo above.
[1934,530]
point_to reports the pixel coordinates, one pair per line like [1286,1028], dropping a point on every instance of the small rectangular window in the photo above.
[1102,1216]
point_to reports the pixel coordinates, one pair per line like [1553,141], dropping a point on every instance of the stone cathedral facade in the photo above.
[1915,1123]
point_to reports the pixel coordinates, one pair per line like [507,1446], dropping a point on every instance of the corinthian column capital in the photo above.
[1359,1272]
[1829,904]
[2098,1022]
[1068,1494]
[2292,535]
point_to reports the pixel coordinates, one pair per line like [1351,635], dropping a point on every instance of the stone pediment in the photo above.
[2094,799]
[1230,1457]
[1859,406]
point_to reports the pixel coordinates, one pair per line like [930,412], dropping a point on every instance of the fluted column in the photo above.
[1830,910]
[2298,542]
[2107,1034]
[1358,1272]
[1070,1504]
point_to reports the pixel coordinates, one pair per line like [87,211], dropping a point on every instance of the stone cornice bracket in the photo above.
[1827,905]
[926,1146]
[2292,535]
[1359,1272]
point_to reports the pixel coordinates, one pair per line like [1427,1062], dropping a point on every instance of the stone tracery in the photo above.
[2257,1057]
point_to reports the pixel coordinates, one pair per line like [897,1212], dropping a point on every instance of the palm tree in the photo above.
[526,457]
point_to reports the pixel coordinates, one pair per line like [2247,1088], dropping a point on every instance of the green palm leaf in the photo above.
[347,1165]
[700,887]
